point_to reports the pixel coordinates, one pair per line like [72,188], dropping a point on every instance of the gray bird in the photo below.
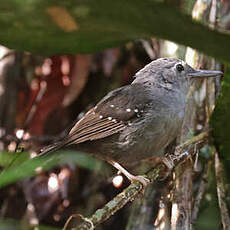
[137,121]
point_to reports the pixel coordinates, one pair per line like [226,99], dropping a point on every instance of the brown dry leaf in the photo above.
[49,102]
[79,78]
[62,18]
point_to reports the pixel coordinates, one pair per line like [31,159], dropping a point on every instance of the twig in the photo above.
[221,194]
[132,191]
[194,140]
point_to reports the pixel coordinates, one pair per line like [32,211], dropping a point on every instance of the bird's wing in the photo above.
[111,115]
[94,126]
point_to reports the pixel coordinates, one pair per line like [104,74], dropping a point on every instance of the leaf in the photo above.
[62,18]
[101,24]
[23,166]
[10,224]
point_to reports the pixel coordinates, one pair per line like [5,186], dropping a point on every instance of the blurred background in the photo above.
[42,94]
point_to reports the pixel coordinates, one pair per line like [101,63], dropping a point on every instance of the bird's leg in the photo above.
[144,181]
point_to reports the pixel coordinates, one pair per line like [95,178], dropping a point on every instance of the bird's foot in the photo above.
[168,162]
[143,180]
[171,159]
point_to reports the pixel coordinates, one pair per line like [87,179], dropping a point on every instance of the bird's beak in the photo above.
[204,73]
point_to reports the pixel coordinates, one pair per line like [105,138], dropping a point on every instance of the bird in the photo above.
[137,121]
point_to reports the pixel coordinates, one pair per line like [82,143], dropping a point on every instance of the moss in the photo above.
[220,118]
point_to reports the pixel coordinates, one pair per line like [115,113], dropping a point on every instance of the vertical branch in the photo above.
[10,78]
[182,204]
[204,95]
[201,191]
[142,211]
[163,221]
[152,209]
[225,219]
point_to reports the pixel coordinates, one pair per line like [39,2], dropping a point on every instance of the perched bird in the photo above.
[137,121]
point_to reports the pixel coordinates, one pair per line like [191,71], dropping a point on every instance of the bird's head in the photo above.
[172,73]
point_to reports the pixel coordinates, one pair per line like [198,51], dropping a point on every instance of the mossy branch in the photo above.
[132,191]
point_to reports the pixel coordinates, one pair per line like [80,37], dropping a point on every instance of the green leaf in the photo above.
[10,224]
[52,27]
[23,166]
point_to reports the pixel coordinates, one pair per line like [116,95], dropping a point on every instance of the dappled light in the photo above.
[106,120]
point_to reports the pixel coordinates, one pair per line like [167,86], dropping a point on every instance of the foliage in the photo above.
[220,119]
[21,166]
[8,224]
[85,26]
[47,27]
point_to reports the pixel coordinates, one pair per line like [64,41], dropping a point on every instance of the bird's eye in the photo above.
[180,68]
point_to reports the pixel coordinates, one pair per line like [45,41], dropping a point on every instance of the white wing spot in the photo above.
[136,110]
[114,120]
[129,123]
[112,106]
[128,110]
[110,118]
[100,116]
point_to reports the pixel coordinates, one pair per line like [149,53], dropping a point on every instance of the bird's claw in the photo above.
[143,180]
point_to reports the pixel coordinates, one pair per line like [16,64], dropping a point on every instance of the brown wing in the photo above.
[94,126]
[91,127]
[111,115]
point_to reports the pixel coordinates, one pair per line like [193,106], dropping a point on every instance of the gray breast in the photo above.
[149,136]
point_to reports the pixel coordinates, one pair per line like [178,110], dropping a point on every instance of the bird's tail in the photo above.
[51,148]
[64,142]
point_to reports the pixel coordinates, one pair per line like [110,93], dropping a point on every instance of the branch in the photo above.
[221,193]
[182,197]
[133,190]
